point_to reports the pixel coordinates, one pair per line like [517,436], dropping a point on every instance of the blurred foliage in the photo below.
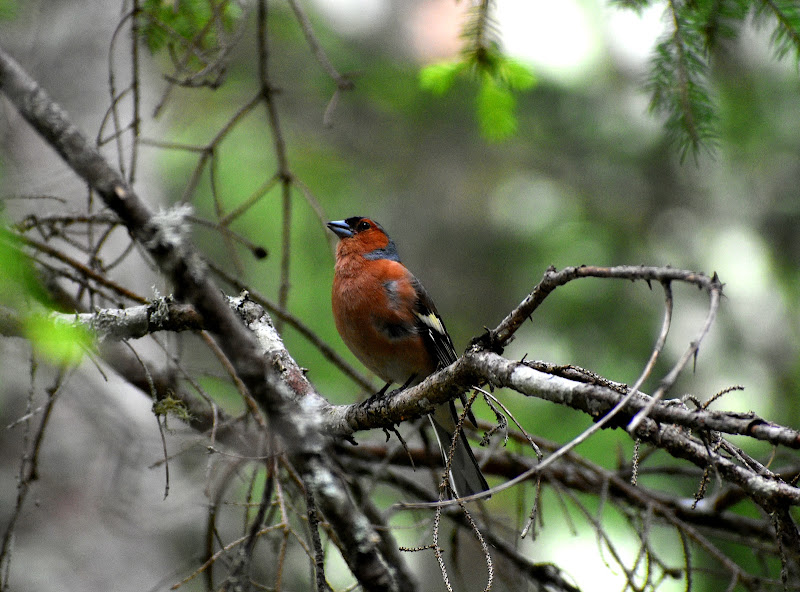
[191,32]
[590,180]
[678,80]
[21,292]
[8,9]
[784,16]
[59,343]
[498,76]
[19,277]
[192,21]
[588,177]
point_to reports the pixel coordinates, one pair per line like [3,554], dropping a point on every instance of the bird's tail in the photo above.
[465,475]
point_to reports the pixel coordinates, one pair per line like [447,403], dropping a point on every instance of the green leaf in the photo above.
[495,109]
[21,291]
[59,342]
[438,78]
[18,281]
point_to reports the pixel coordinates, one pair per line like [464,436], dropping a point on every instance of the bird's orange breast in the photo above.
[373,304]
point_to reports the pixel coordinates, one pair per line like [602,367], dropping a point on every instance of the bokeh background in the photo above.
[589,178]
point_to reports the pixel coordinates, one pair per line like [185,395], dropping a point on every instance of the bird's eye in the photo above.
[363,225]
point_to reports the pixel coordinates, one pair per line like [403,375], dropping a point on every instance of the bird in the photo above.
[387,319]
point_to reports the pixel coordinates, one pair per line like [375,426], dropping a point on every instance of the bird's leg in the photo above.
[400,389]
[379,395]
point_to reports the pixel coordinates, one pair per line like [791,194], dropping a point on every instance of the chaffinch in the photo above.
[389,322]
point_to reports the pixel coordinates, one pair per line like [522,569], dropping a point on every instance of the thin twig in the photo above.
[284,172]
[80,267]
[691,352]
[29,466]
[319,555]
[552,279]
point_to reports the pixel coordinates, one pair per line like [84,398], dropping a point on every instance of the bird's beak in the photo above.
[340,228]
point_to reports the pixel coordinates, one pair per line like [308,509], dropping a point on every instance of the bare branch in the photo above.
[496,339]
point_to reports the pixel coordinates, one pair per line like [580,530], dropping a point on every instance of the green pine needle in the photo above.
[438,78]
[189,26]
[721,19]
[786,16]
[495,105]
[498,76]
[516,75]
[679,84]
[637,5]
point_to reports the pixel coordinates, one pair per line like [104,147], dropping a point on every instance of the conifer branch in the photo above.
[679,82]
[786,36]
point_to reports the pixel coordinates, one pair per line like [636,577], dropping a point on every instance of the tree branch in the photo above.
[595,399]
[498,338]
[163,238]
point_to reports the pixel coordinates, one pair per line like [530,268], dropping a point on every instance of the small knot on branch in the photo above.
[488,341]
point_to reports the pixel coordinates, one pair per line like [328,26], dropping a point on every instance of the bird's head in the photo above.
[363,236]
